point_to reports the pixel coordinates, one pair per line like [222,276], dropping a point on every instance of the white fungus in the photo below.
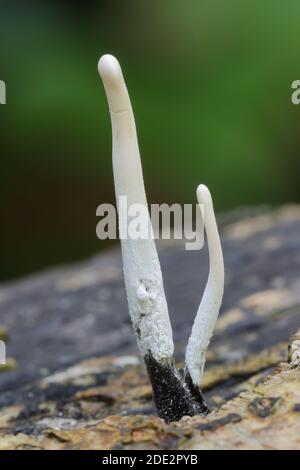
[175,396]
[144,285]
[209,307]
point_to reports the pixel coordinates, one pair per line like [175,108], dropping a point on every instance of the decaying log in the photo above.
[78,381]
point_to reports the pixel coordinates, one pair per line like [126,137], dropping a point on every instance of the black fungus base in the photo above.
[173,397]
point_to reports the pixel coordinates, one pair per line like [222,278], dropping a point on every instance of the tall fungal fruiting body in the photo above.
[146,299]
[174,395]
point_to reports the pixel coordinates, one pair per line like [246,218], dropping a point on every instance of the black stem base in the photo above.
[174,397]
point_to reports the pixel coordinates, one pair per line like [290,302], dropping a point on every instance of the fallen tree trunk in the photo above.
[78,381]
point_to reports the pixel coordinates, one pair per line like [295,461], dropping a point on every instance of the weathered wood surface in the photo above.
[78,382]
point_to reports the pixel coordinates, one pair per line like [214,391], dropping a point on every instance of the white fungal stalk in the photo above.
[209,308]
[144,285]
[175,396]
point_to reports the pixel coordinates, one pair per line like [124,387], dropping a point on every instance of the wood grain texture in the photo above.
[78,380]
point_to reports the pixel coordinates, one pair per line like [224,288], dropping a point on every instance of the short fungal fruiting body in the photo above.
[174,395]
[209,307]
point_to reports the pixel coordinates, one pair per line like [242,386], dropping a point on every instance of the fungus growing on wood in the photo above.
[175,395]
[210,304]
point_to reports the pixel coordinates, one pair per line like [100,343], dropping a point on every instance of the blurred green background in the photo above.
[210,82]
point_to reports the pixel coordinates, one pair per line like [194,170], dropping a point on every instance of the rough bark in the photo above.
[78,381]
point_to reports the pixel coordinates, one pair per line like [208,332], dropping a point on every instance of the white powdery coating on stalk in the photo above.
[143,279]
[146,299]
[209,308]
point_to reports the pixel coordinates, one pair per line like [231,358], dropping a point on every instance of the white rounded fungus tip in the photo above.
[109,69]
